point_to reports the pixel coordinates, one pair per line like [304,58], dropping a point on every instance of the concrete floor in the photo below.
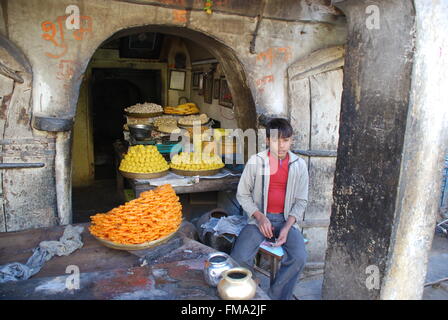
[437,269]
[310,286]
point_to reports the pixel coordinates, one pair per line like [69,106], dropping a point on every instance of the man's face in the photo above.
[279,145]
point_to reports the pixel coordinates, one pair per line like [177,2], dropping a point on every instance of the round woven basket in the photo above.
[143,115]
[140,246]
[133,175]
[196,172]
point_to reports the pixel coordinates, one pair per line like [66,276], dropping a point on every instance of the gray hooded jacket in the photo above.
[252,193]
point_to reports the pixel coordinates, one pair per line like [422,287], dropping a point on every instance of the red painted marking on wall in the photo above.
[86,26]
[263,81]
[268,56]
[286,52]
[66,69]
[52,29]
[179,16]
[55,33]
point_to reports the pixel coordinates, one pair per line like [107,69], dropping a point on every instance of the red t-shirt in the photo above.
[277,183]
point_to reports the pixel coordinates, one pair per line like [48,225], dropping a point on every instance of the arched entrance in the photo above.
[110,65]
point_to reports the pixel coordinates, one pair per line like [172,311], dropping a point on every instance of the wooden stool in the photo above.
[274,260]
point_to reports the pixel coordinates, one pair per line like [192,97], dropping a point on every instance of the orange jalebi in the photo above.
[155,214]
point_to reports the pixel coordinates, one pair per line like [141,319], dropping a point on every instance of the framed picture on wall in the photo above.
[177,80]
[216,89]
[195,81]
[208,88]
[225,97]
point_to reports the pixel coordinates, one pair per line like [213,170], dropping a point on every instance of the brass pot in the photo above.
[237,284]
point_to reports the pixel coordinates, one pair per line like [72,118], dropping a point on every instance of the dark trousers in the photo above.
[294,259]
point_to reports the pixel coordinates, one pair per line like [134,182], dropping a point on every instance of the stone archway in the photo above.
[244,105]
[61,118]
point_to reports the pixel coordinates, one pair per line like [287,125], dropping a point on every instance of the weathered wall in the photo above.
[27,196]
[255,43]
[275,45]
[315,88]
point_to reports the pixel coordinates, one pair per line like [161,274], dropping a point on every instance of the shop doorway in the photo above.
[124,72]
[112,91]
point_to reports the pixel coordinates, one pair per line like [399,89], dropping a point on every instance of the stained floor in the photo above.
[310,286]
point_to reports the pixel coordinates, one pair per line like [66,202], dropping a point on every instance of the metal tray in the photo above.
[133,175]
[191,173]
[143,115]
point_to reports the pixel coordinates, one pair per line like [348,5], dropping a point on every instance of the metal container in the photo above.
[140,131]
[237,284]
[215,265]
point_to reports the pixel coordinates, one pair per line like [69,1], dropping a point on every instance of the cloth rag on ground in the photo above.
[231,225]
[69,242]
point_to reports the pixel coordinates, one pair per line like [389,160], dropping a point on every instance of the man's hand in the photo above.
[283,236]
[264,224]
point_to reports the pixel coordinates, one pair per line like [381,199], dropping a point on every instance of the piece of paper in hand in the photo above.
[278,251]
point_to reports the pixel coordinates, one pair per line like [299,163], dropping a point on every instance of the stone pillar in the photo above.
[375,101]
[425,144]
[63,173]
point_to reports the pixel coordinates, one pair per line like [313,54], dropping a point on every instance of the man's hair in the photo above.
[283,127]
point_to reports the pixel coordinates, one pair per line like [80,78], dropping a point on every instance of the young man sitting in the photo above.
[273,191]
